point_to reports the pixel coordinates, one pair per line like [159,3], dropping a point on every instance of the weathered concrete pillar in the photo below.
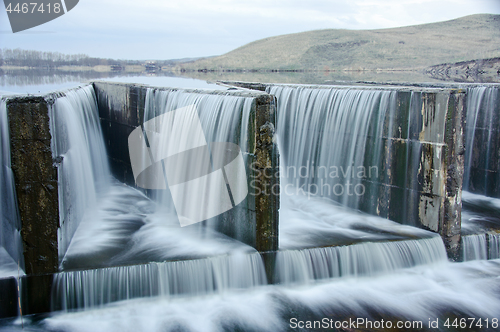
[441,166]
[36,182]
[455,150]
[265,175]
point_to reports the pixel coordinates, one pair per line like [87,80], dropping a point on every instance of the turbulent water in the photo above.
[414,295]
[113,224]
[376,269]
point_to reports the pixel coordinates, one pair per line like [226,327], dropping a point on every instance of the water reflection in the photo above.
[36,81]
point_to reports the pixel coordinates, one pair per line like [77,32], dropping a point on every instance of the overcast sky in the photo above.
[170,29]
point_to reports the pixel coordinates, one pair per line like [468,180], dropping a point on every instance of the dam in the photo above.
[343,181]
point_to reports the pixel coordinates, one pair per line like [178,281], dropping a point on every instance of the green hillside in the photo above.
[420,46]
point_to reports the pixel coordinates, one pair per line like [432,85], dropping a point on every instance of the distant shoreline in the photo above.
[99,68]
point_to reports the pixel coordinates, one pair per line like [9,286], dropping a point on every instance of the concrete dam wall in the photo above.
[419,158]
[121,110]
[416,148]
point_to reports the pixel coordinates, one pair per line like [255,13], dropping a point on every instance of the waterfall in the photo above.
[223,118]
[155,236]
[480,246]
[11,249]
[481,137]
[475,247]
[364,259]
[331,139]
[78,147]
[91,288]
[494,246]
[481,172]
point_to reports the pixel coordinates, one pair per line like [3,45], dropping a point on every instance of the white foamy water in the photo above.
[326,136]
[321,128]
[426,292]
[112,224]
[314,221]
[389,271]
[223,118]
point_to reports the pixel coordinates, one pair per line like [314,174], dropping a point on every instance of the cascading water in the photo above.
[223,118]
[91,288]
[435,289]
[303,266]
[11,250]
[334,138]
[331,138]
[83,171]
[494,246]
[480,145]
[475,247]
[117,225]
[480,246]
[481,203]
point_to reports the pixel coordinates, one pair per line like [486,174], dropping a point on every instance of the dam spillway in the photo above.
[412,139]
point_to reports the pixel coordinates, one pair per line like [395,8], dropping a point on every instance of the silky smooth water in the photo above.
[480,211]
[479,145]
[78,147]
[112,224]
[377,270]
[328,130]
[223,118]
[91,288]
[420,294]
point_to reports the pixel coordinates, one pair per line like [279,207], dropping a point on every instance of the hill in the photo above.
[412,47]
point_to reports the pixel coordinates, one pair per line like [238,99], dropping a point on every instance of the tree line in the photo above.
[52,60]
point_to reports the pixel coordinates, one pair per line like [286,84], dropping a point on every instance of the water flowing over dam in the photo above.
[370,187]
[481,177]
[324,135]
[83,171]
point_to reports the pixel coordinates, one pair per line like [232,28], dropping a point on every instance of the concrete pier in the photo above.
[36,182]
